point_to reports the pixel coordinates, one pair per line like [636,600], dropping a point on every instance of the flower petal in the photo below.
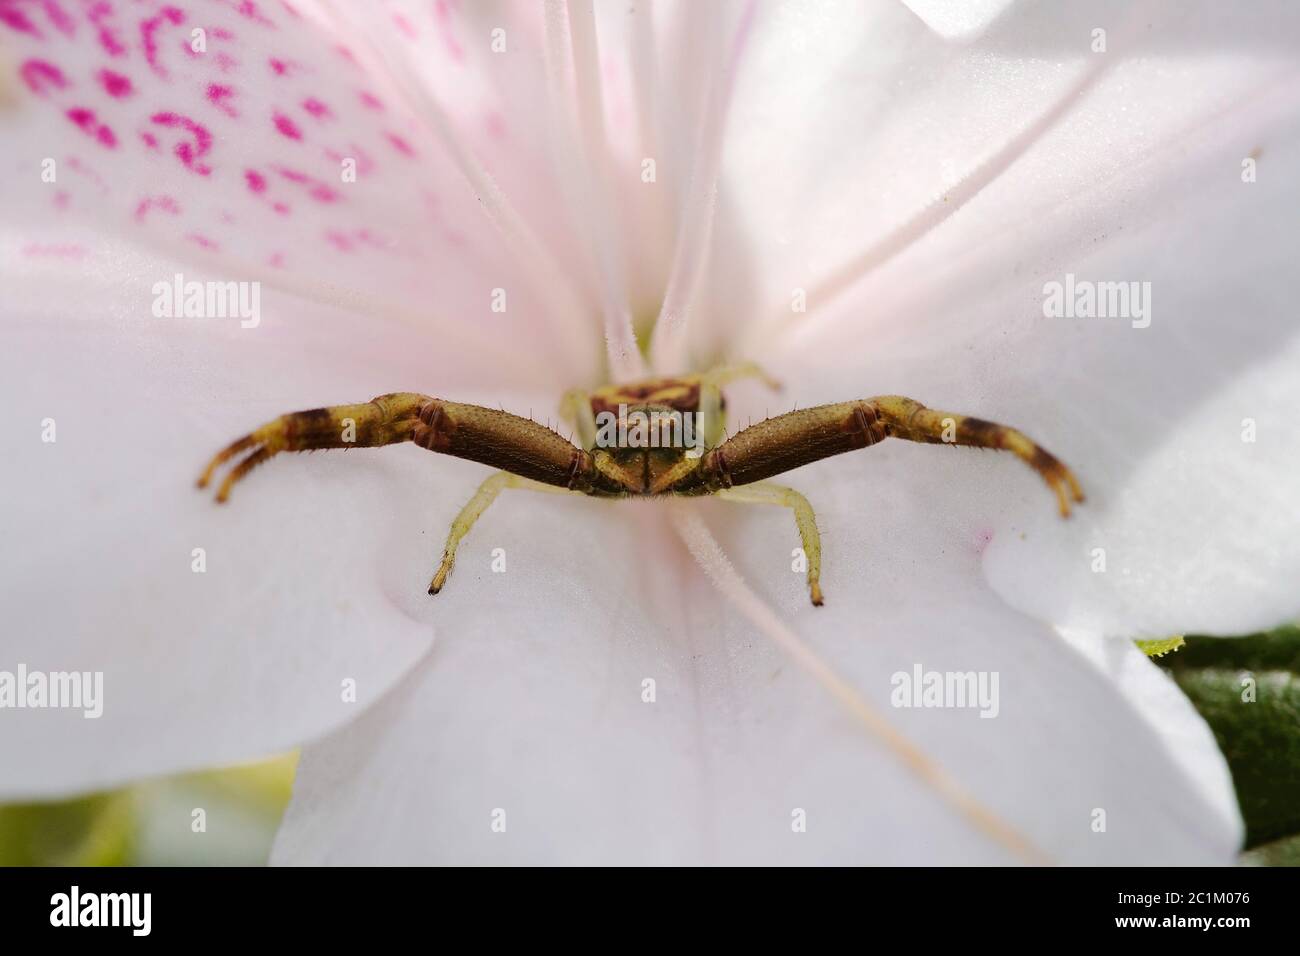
[263,140]
[538,718]
[307,598]
[958,20]
[1188,737]
[1179,432]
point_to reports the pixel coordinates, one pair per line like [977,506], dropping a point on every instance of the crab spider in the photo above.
[533,456]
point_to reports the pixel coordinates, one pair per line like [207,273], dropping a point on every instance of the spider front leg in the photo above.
[766,493]
[381,421]
[811,434]
[491,437]
[905,418]
[531,455]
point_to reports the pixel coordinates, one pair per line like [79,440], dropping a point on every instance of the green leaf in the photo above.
[85,831]
[1248,690]
[1278,853]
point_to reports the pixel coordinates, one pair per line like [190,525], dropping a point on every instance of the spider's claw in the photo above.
[240,470]
[223,456]
[262,449]
[1066,488]
[440,578]
[1058,477]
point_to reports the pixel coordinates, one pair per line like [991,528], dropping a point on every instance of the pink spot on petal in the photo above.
[248,10]
[41,77]
[203,241]
[982,540]
[189,151]
[148,29]
[287,127]
[89,123]
[108,39]
[279,67]
[338,240]
[59,17]
[17,21]
[445,27]
[317,189]
[316,108]
[81,169]
[256,181]
[115,84]
[370,101]
[218,95]
[405,26]
[165,203]
[399,144]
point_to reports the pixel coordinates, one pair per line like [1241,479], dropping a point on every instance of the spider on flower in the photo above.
[531,455]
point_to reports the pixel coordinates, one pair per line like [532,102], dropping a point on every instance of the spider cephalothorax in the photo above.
[662,437]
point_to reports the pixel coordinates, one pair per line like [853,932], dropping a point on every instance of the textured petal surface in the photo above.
[273,142]
[959,20]
[311,599]
[134,156]
[1178,420]
[531,699]
[541,714]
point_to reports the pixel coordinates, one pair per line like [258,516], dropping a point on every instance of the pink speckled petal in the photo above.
[258,140]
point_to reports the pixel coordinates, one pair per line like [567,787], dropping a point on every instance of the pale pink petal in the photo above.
[958,19]
[1134,173]
[266,143]
[310,601]
[534,706]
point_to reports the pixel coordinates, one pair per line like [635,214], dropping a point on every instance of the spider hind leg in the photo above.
[767,493]
[473,510]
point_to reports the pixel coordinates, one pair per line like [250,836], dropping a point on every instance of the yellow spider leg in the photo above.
[664,483]
[766,493]
[711,385]
[575,407]
[473,510]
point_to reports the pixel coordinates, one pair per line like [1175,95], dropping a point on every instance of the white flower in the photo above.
[918,176]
